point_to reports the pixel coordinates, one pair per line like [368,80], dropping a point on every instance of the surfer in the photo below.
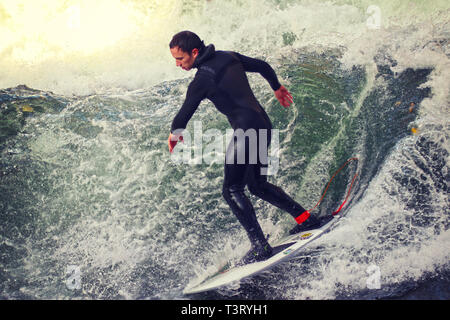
[221,77]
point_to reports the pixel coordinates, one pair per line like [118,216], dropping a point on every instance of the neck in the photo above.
[204,54]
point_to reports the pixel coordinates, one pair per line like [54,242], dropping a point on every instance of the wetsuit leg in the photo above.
[260,187]
[233,192]
[241,171]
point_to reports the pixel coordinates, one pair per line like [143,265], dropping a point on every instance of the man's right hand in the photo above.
[173,140]
[284,97]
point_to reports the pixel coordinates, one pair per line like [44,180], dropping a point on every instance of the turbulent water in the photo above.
[92,207]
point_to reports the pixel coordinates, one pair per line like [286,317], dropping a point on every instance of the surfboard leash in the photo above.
[329,182]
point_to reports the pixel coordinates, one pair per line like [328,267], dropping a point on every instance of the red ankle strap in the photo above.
[303,217]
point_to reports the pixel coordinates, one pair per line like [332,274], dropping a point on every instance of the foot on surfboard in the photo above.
[311,223]
[257,253]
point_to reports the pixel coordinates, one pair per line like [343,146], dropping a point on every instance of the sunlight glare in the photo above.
[82,26]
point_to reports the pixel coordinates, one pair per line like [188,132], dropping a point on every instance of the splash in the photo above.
[83,47]
[86,180]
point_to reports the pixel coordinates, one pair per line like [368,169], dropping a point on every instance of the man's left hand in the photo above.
[284,97]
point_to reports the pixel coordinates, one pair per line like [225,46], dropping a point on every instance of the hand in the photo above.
[173,140]
[284,97]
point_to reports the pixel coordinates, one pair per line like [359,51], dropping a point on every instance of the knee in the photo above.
[229,192]
[225,192]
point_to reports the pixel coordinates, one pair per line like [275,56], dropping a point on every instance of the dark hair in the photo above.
[187,41]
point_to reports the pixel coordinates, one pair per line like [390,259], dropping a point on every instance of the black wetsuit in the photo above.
[221,78]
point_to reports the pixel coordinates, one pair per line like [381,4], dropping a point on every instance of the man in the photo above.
[221,78]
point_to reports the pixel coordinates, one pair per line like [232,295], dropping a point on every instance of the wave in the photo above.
[86,180]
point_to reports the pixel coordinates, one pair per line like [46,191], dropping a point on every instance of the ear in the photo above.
[194,52]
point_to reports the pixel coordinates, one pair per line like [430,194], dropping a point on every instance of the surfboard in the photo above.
[285,249]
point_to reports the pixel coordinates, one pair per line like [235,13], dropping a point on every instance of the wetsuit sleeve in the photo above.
[262,67]
[195,94]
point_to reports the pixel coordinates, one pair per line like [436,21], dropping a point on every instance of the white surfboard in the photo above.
[284,250]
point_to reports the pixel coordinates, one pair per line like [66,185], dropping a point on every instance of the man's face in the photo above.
[184,59]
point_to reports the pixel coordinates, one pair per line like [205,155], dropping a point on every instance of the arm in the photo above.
[195,94]
[263,68]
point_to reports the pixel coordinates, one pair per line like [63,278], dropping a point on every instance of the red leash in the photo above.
[349,189]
